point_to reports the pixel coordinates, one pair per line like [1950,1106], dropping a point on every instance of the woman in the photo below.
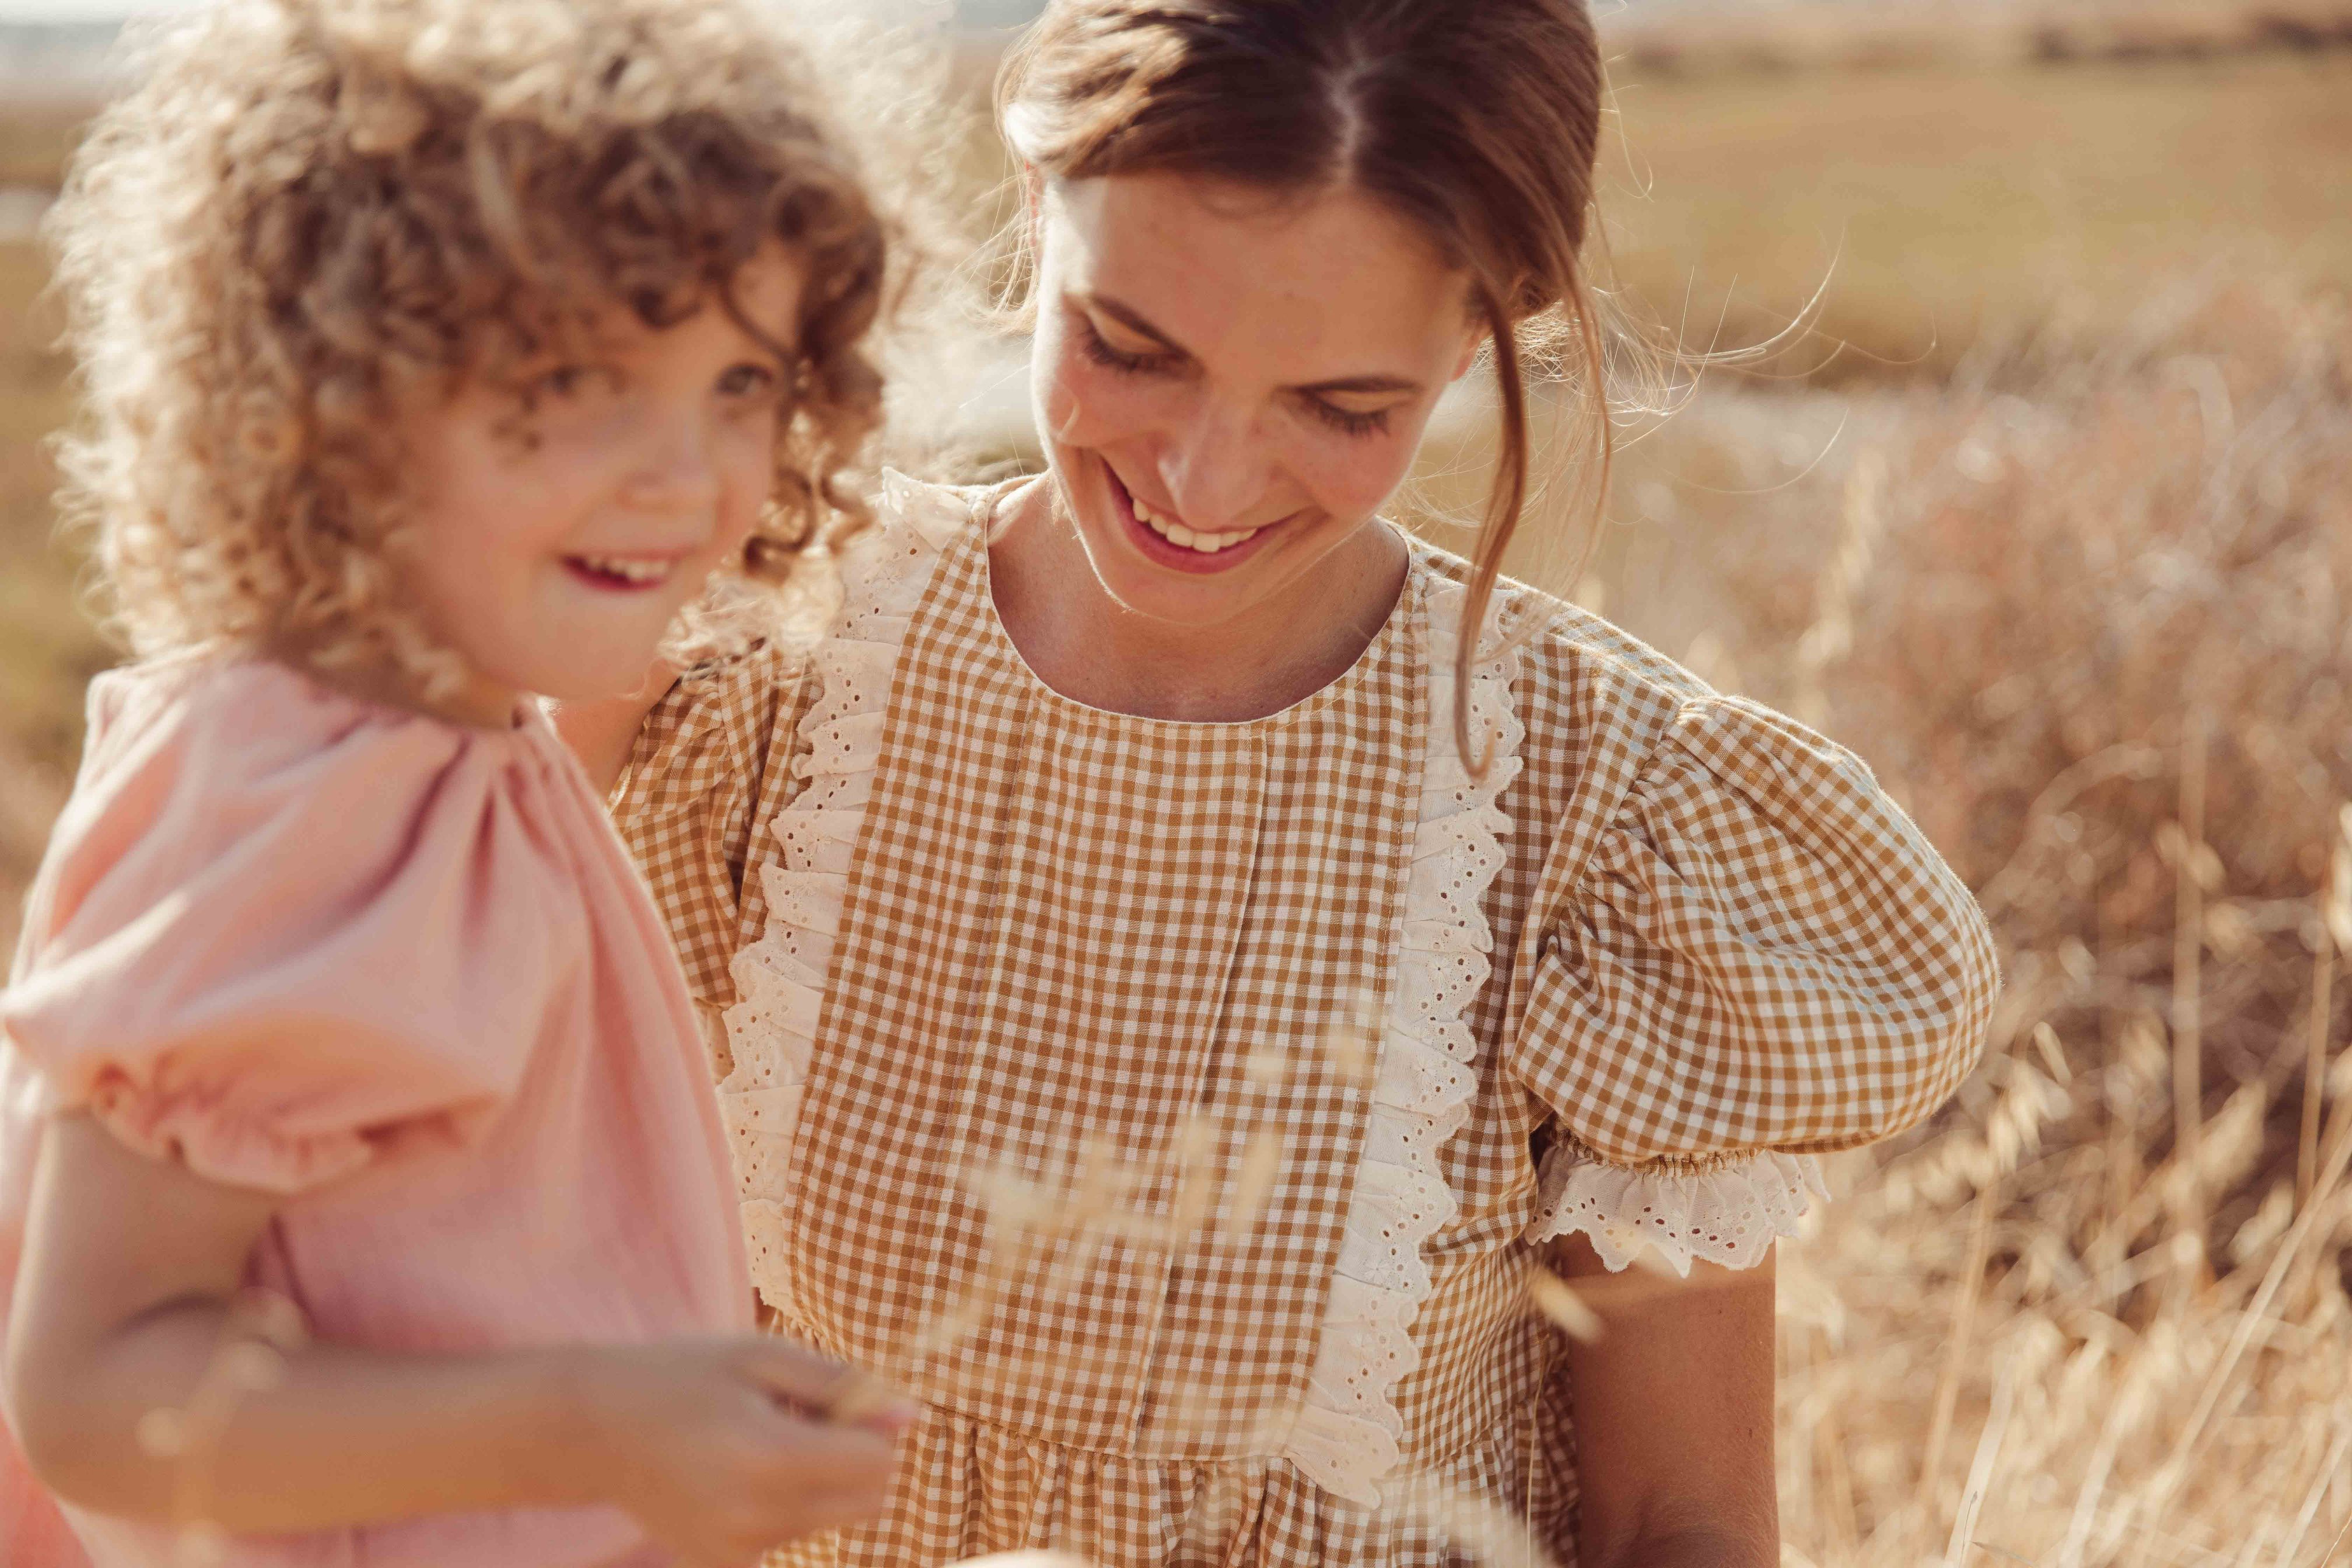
[1185,947]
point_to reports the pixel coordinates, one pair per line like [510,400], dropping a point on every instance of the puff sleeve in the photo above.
[710,764]
[1762,960]
[280,935]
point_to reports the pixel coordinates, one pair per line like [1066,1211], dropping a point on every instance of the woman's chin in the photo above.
[1174,599]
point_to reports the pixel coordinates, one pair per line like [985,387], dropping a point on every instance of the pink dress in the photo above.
[403,974]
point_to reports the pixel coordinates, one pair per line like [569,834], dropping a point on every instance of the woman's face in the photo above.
[1228,386]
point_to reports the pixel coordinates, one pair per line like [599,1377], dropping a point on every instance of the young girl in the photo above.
[1187,949]
[361,1194]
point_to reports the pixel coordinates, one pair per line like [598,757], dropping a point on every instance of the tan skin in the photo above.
[1241,366]
[656,452]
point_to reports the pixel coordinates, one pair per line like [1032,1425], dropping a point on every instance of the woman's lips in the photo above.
[1162,549]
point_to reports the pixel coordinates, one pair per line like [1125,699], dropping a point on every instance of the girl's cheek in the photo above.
[750,481]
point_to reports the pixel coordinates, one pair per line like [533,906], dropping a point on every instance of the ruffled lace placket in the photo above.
[1349,1434]
[779,979]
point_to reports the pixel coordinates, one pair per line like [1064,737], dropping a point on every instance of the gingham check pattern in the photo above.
[1714,934]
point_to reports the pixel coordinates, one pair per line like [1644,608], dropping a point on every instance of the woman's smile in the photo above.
[1163,540]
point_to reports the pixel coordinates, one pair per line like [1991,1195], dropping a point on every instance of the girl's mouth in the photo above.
[1168,543]
[622,573]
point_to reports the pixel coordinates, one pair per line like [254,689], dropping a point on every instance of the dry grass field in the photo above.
[1927,204]
[2049,514]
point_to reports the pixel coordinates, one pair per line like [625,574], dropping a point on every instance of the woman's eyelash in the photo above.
[1347,422]
[1099,349]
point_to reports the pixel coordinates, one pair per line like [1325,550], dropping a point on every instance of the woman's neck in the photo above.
[1091,650]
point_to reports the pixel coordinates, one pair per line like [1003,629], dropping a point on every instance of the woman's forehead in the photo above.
[1214,265]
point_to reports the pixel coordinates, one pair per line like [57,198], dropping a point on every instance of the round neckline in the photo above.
[527,720]
[1375,649]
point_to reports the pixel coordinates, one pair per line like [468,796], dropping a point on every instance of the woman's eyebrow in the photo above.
[1134,321]
[1362,385]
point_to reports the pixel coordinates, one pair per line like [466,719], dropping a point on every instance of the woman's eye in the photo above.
[1346,421]
[1101,350]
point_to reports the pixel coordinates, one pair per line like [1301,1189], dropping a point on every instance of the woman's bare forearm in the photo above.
[170,1420]
[1716,1546]
[1672,1392]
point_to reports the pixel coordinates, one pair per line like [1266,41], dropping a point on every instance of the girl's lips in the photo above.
[1177,557]
[622,573]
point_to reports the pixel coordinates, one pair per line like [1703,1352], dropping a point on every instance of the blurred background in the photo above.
[2037,490]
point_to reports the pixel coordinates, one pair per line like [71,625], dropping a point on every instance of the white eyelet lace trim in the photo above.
[780,980]
[1728,1215]
[1348,1431]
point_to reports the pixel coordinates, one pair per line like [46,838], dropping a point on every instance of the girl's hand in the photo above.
[127,1309]
[725,1449]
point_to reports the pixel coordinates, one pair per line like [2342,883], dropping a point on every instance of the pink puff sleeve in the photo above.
[280,934]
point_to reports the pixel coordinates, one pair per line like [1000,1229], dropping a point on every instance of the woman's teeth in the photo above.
[644,573]
[1176,533]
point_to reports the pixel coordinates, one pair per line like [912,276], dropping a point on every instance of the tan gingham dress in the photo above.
[1175,1105]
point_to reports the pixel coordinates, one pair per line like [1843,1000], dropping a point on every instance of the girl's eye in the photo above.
[748,381]
[1347,422]
[1099,349]
[567,383]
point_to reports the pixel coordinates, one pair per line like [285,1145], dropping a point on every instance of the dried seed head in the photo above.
[1254,1183]
[1557,1302]
[163,1434]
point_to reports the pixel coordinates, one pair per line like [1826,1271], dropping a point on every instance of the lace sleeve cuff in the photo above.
[1728,1213]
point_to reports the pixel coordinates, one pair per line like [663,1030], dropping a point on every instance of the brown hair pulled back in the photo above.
[1475,120]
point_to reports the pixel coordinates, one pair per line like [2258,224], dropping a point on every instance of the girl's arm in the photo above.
[1674,1415]
[126,1289]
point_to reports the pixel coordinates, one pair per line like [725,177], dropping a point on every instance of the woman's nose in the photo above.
[1214,467]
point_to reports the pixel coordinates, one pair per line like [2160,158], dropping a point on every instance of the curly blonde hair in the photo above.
[310,210]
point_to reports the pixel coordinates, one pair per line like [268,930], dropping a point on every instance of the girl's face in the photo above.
[554,532]
[1229,386]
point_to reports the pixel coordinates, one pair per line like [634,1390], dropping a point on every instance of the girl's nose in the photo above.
[674,468]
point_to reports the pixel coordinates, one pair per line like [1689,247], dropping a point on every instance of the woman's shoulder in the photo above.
[879,576]
[936,509]
[1616,735]
[725,718]
[1626,756]
[1739,947]
[1574,676]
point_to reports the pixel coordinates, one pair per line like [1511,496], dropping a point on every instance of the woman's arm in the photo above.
[124,1296]
[1674,1415]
